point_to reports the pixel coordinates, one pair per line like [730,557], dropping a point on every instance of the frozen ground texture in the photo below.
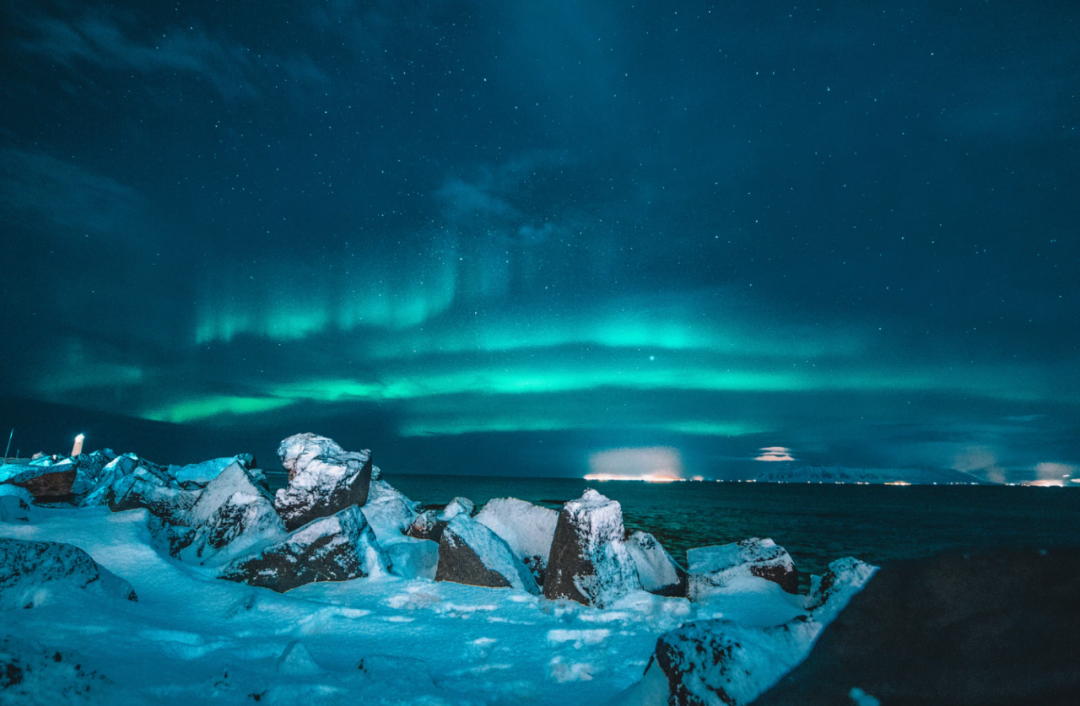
[391,636]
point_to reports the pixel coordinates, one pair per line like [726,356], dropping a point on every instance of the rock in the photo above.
[588,561]
[198,475]
[232,514]
[992,628]
[456,507]
[323,479]
[719,566]
[724,663]
[15,503]
[656,570]
[426,526]
[471,554]
[89,469]
[43,479]
[143,489]
[33,573]
[113,471]
[528,529]
[388,511]
[336,548]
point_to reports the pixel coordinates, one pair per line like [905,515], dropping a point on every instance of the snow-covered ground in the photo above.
[191,638]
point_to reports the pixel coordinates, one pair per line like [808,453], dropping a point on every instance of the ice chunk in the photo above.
[657,571]
[456,507]
[388,511]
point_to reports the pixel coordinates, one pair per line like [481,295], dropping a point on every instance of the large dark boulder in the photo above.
[528,529]
[588,561]
[336,548]
[471,554]
[323,479]
[32,573]
[44,479]
[720,566]
[985,629]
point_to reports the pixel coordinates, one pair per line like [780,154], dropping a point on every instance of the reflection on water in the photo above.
[815,523]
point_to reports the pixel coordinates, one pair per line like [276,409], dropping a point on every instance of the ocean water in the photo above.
[815,523]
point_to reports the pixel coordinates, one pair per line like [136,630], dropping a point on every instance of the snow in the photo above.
[527,528]
[455,507]
[36,573]
[390,638]
[656,570]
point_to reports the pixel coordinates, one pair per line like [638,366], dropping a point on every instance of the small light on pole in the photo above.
[77,448]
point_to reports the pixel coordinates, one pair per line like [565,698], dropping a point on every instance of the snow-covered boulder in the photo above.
[457,506]
[232,515]
[198,475]
[89,468]
[388,511]
[657,571]
[43,480]
[471,554]
[323,479]
[144,489]
[717,567]
[32,573]
[116,469]
[33,674]
[426,526]
[336,548]
[589,562]
[724,663]
[528,529]
[15,502]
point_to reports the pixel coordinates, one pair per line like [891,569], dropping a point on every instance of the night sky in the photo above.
[503,237]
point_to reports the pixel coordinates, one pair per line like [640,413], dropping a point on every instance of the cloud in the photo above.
[110,40]
[775,453]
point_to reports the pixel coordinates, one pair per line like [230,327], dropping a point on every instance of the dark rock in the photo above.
[589,562]
[528,529]
[426,526]
[990,629]
[471,554]
[336,548]
[143,489]
[323,479]
[717,566]
[31,572]
[45,480]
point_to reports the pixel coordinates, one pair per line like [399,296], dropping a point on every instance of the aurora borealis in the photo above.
[466,234]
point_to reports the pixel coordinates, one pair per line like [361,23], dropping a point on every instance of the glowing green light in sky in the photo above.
[208,407]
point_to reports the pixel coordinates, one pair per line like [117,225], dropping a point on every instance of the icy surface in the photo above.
[527,528]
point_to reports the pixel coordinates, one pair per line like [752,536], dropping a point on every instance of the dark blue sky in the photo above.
[501,237]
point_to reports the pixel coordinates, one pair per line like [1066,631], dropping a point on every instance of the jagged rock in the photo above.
[32,572]
[723,663]
[457,506]
[323,479]
[232,514]
[388,511]
[994,628]
[589,562]
[116,469]
[426,526]
[528,529]
[717,567]
[89,469]
[657,571]
[471,554]
[336,548]
[144,489]
[44,479]
[198,475]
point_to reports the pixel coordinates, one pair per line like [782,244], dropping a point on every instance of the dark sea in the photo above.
[815,523]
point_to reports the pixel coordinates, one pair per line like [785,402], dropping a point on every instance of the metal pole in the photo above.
[8,444]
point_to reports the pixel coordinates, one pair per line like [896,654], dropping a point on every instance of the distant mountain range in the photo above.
[837,474]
